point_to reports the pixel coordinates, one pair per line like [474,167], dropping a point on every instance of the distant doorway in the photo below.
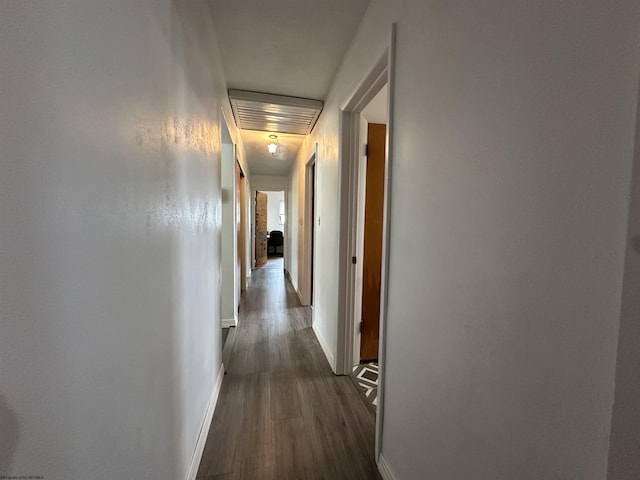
[270,218]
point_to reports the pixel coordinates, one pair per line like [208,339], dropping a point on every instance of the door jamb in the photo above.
[382,73]
[309,242]
[242,243]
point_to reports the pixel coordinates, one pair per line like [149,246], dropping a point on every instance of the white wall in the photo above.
[269,182]
[294,233]
[514,129]
[273,211]
[326,135]
[624,460]
[110,220]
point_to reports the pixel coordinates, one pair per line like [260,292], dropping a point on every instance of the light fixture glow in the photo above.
[273,146]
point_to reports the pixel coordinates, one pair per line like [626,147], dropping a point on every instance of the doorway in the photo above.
[367,303]
[309,228]
[347,354]
[230,259]
[370,104]
[269,226]
[241,226]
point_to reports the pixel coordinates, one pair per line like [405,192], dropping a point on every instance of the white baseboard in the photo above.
[288,275]
[295,286]
[204,429]
[299,296]
[325,347]
[384,469]
[229,322]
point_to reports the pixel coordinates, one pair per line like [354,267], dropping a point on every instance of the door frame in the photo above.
[310,185]
[381,74]
[242,242]
[228,226]
[253,222]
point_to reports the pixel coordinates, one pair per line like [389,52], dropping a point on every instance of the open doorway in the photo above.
[369,233]
[309,228]
[241,226]
[270,219]
[352,214]
[233,239]
[229,241]
[369,229]
[364,232]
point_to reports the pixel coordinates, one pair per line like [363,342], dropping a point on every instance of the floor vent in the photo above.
[274,113]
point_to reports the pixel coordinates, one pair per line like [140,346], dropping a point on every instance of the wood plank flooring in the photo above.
[282,414]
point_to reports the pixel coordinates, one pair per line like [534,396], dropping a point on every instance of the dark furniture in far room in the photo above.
[276,243]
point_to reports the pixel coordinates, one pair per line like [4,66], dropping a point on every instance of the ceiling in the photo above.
[261,162]
[284,47]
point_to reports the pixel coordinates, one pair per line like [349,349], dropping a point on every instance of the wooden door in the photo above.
[261,229]
[372,257]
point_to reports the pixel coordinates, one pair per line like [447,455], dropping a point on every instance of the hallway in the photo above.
[282,414]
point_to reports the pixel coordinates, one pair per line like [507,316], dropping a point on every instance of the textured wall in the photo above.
[109,236]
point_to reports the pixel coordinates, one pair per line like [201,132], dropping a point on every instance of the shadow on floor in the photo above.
[9,434]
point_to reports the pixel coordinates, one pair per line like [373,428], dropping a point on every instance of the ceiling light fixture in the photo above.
[274,146]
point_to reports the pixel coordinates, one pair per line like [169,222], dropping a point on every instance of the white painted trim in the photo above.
[348,219]
[325,346]
[229,322]
[385,469]
[242,214]
[204,429]
[384,287]
[368,88]
[308,242]
[360,177]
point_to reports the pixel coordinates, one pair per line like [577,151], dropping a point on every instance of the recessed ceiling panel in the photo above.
[274,113]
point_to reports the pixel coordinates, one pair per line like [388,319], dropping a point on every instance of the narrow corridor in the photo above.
[282,414]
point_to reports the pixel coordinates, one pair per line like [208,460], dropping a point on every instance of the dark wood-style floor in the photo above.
[282,414]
